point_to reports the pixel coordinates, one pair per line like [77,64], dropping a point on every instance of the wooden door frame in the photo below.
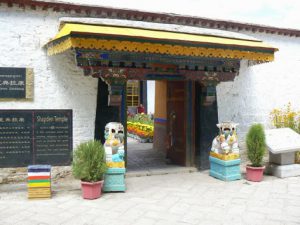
[169,106]
[189,115]
[190,126]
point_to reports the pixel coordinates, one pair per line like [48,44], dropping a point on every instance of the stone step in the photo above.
[160,171]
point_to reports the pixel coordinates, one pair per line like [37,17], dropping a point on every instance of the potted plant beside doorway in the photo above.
[256,147]
[89,166]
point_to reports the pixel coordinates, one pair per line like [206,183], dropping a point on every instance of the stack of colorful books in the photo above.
[39,181]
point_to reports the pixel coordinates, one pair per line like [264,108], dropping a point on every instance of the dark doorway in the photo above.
[104,113]
[206,118]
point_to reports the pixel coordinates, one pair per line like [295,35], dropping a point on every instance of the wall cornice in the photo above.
[118,13]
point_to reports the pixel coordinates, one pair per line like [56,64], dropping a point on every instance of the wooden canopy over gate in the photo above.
[119,53]
[101,37]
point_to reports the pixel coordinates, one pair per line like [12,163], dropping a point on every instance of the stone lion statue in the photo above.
[226,142]
[114,142]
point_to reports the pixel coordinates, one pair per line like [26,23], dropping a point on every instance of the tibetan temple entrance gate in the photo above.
[191,63]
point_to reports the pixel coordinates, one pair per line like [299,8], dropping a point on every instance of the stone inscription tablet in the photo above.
[16,83]
[35,137]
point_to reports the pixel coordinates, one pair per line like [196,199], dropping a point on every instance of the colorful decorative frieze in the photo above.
[243,52]
[129,39]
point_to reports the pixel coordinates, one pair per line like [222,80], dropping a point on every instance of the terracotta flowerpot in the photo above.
[254,173]
[91,190]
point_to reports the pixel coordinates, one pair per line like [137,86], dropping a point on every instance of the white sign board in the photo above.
[282,140]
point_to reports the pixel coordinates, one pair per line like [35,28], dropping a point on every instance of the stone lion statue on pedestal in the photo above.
[114,143]
[226,142]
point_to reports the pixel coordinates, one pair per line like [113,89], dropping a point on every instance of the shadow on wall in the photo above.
[70,89]
[237,100]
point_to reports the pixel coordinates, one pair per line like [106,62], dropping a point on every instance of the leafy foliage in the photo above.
[141,125]
[89,161]
[141,118]
[256,144]
[287,117]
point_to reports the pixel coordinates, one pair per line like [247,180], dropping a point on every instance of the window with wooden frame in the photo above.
[133,93]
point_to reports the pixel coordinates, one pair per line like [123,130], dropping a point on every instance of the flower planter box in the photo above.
[225,170]
[140,139]
[114,180]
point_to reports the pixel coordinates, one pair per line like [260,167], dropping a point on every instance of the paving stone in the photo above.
[192,198]
[180,208]
[192,217]
[210,222]
[143,160]
[283,218]
[293,211]
[166,222]
[145,221]
[232,220]
[162,215]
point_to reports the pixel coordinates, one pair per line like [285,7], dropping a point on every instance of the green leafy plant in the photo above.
[287,117]
[256,144]
[141,118]
[89,161]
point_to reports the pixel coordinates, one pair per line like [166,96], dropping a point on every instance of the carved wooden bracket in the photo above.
[116,79]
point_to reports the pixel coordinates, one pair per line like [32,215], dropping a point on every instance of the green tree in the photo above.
[89,161]
[256,144]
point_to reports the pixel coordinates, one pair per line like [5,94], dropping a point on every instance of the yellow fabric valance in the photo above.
[113,38]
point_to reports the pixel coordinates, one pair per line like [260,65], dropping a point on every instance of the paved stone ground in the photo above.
[143,160]
[176,198]
[186,198]
[142,156]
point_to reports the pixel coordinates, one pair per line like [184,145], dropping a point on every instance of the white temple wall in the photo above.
[258,89]
[58,82]
[150,96]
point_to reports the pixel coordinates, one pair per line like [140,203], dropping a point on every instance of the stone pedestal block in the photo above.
[114,180]
[283,158]
[225,170]
[283,171]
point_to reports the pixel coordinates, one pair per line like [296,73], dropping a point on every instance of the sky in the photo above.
[278,13]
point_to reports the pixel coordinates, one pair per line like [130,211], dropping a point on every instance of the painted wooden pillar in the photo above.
[190,118]
[160,116]
[124,119]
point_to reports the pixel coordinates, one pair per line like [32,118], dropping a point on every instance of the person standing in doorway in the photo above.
[141,109]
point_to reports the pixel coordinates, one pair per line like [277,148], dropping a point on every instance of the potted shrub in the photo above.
[256,147]
[89,166]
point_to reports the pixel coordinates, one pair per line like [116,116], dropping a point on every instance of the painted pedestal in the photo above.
[225,170]
[114,180]
[39,181]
